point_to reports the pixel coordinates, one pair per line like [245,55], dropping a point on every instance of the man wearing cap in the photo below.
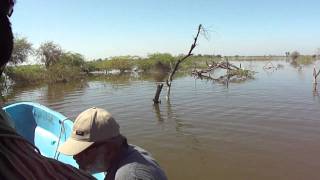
[97,146]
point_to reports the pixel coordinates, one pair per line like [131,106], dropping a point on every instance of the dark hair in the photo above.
[6,36]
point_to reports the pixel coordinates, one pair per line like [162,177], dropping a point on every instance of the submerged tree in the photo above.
[176,66]
[233,73]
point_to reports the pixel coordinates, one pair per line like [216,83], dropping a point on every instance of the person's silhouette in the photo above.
[6,37]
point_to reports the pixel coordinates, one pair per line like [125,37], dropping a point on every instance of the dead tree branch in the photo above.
[318,73]
[234,73]
[176,66]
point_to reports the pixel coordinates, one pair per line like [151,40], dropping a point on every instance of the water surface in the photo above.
[265,128]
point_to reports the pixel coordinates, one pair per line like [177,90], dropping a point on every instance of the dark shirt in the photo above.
[136,164]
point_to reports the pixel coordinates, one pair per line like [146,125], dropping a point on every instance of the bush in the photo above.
[119,63]
[22,49]
[294,55]
[164,58]
[305,60]
[49,53]
[96,65]
[144,64]
[26,73]
[62,73]
[152,60]
[72,59]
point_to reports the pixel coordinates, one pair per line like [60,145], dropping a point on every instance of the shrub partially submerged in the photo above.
[61,73]
[26,73]
[297,60]
[243,73]
[69,66]
[305,60]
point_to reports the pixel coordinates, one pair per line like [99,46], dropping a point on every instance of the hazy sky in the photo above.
[104,28]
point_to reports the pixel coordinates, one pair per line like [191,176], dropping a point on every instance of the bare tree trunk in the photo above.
[156,97]
[168,92]
[228,72]
[176,66]
[318,73]
[315,75]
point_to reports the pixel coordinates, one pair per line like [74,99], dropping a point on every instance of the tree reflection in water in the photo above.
[57,92]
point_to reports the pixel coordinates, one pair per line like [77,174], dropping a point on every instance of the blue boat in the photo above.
[43,127]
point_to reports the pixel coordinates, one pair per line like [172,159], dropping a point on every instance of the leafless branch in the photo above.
[194,44]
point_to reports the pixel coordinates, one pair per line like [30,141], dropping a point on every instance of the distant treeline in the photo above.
[58,65]
[166,60]
[71,66]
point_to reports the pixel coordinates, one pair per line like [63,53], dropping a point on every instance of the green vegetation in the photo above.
[26,73]
[242,73]
[199,61]
[121,63]
[63,66]
[149,63]
[59,66]
[305,60]
[297,60]
[49,53]
[21,50]
[69,66]
[61,73]
[128,63]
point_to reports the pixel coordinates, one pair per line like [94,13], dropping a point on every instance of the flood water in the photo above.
[265,128]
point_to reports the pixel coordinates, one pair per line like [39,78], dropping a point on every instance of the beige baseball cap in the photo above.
[92,125]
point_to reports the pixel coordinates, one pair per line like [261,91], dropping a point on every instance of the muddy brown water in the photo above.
[266,128]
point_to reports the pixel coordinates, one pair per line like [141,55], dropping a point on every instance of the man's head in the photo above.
[95,134]
[93,125]
[6,37]
[7,7]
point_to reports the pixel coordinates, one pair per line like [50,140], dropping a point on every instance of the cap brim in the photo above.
[73,147]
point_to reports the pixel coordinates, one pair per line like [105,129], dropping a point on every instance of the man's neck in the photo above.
[115,162]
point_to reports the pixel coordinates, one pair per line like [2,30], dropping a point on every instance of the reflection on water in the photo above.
[158,113]
[265,128]
[57,92]
[116,81]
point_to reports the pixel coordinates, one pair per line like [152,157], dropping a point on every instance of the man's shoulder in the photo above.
[139,164]
[136,170]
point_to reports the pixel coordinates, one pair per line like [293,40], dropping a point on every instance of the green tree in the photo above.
[49,53]
[165,58]
[152,60]
[72,59]
[294,55]
[21,50]
[120,63]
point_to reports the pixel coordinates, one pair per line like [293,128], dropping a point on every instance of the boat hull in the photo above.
[43,127]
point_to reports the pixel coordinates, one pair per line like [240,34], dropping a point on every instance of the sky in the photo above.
[105,28]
